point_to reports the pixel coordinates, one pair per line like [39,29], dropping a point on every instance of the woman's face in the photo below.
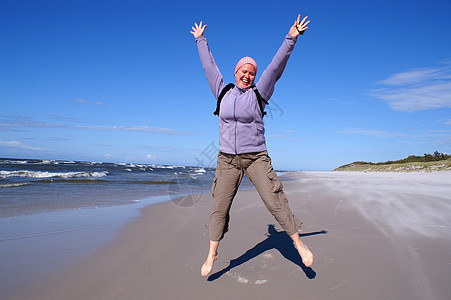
[245,76]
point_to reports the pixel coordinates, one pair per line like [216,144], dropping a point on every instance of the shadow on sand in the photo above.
[278,240]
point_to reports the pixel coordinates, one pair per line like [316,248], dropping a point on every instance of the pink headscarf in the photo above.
[246,60]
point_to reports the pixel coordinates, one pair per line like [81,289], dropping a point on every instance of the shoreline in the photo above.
[41,244]
[357,254]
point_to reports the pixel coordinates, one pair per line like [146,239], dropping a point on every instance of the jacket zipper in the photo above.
[236,123]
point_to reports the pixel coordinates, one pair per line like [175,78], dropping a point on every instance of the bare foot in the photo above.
[306,255]
[208,265]
[304,252]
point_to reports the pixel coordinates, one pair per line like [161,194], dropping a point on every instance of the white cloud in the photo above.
[84,101]
[16,144]
[284,135]
[432,137]
[65,118]
[415,76]
[21,122]
[150,156]
[417,89]
[371,132]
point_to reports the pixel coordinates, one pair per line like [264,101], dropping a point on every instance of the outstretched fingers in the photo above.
[302,25]
[198,29]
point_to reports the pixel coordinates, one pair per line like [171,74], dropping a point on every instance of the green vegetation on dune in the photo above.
[427,163]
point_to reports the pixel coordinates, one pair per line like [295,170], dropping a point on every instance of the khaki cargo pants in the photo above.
[257,167]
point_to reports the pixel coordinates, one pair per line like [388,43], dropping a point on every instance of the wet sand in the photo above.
[373,235]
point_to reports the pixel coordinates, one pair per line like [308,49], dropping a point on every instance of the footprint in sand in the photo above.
[338,286]
[242,279]
[261,281]
[238,278]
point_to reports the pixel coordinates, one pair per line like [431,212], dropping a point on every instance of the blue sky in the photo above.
[121,81]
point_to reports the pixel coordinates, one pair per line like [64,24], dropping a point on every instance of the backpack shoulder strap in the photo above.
[230,86]
[260,100]
[221,95]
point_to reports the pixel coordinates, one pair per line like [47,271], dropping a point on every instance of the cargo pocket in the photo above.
[276,184]
[213,187]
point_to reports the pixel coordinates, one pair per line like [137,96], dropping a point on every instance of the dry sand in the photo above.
[374,236]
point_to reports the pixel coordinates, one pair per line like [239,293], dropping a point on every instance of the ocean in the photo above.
[55,212]
[29,186]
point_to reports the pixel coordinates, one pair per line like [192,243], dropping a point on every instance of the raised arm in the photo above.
[212,72]
[275,69]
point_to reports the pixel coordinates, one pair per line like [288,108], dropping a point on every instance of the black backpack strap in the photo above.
[221,95]
[230,86]
[260,100]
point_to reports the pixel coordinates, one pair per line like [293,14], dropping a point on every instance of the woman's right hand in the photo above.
[198,30]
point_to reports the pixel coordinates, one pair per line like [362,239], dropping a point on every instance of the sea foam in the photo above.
[45,174]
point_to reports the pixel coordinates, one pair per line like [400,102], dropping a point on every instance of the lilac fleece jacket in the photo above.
[241,128]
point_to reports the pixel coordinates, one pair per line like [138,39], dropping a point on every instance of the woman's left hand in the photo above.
[299,26]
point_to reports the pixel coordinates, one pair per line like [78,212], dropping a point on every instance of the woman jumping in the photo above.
[242,145]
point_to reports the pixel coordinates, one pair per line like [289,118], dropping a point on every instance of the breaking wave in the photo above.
[45,174]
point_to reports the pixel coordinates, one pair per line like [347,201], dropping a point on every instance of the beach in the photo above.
[373,236]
